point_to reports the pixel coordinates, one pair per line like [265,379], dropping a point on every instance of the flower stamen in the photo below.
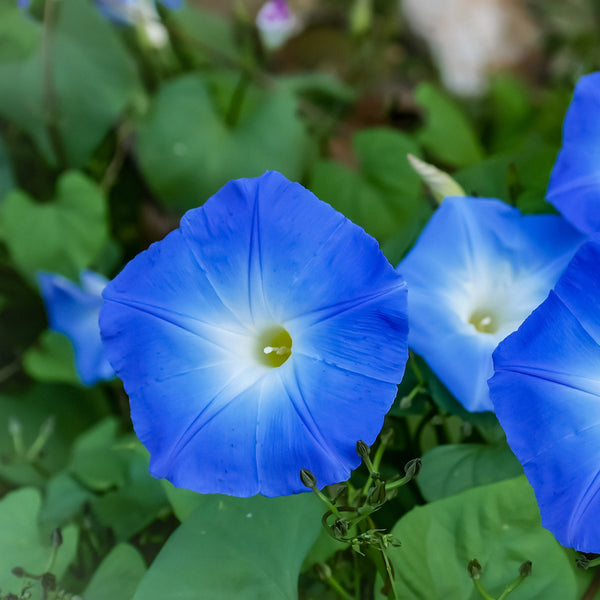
[484,321]
[274,346]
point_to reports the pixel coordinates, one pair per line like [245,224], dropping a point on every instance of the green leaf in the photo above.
[52,359]
[497,524]
[64,499]
[21,544]
[117,576]
[140,498]
[18,35]
[83,45]
[383,195]
[485,422]
[187,152]
[453,468]
[243,548]
[183,502]
[94,462]
[512,112]
[487,179]
[208,37]
[74,409]
[446,134]
[68,232]
[7,180]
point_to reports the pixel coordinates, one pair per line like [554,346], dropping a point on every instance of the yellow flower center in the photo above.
[484,321]
[274,346]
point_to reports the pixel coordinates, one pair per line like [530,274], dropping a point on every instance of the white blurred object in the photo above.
[470,39]
[276,24]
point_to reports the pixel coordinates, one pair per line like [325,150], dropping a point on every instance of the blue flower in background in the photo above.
[73,310]
[477,270]
[267,334]
[131,11]
[139,13]
[575,182]
[123,10]
[546,393]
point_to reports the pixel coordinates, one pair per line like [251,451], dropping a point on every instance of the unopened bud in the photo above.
[14,426]
[323,571]
[412,467]
[56,538]
[525,569]
[583,562]
[362,449]
[377,494]
[340,527]
[18,572]
[474,569]
[308,479]
[48,581]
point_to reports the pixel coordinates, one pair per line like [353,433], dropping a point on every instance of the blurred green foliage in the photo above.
[105,140]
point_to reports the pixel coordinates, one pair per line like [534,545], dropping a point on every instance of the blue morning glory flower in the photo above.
[574,187]
[132,11]
[477,270]
[267,334]
[142,14]
[546,393]
[123,10]
[73,310]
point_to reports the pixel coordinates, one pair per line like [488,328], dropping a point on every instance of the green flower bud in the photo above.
[525,569]
[474,569]
[308,479]
[362,449]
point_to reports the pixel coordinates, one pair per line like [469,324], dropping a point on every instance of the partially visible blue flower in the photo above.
[477,270]
[73,310]
[575,181]
[141,14]
[276,24]
[546,393]
[131,11]
[267,334]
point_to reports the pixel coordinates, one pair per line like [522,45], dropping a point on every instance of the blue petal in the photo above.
[479,256]
[546,393]
[74,312]
[574,187]
[182,320]
[119,11]
[172,4]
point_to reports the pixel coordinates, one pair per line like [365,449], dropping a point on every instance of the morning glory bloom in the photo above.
[276,24]
[546,393]
[73,310]
[266,335]
[574,187]
[477,270]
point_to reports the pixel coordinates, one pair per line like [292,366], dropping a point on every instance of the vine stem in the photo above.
[593,588]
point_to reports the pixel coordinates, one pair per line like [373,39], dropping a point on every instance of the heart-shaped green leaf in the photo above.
[242,548]
[187,151]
